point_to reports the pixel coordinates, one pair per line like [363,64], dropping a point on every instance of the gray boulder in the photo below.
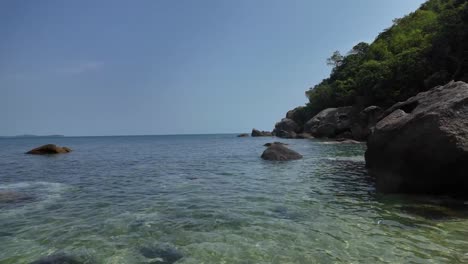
[285,134]
[294,114]
[332,122]
[287,124]
[279,152]
[363,127]
[343,122]
[421,144]
[258,133]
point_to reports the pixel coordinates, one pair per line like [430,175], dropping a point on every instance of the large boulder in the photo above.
[285,134]
[421,144]
[278,151]
[286,128]
[288,125]
[363,127]
[258,133]
[49,149]
[332,122]
[343,122]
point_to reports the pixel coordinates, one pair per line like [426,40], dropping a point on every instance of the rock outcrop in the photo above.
[421,144]
[279,152]
[258,133]
[286,128]
[343,122]
[49,149]
[243,135]
[332,122]
[287,124]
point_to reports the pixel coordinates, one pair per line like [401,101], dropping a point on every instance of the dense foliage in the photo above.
[426,48]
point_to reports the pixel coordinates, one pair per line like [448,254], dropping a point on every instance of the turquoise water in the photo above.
[211,199]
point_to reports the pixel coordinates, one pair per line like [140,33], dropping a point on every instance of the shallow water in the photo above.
[213,200]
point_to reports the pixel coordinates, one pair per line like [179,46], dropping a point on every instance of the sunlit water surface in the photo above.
[211,199]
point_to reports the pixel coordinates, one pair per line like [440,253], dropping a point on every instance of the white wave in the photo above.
[357,158]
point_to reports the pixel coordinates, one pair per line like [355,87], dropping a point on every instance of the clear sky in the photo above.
[114,67]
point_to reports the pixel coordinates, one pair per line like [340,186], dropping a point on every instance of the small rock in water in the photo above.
[49,149]
[161,254]
[279,152]
[243,135]
[57,259]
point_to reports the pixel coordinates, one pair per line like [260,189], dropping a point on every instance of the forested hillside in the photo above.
[426,48]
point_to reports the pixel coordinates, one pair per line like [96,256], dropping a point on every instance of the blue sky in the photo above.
[114,67]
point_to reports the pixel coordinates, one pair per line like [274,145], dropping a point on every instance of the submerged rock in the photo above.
[421,145]
[58,259]
[13,197]
[280,153]
[430,212]
[258,133]
[243,135]
[161,254]
[49,149]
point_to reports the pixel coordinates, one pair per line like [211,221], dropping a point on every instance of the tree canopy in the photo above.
[426,48]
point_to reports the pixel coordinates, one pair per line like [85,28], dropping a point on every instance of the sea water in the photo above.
[211,199]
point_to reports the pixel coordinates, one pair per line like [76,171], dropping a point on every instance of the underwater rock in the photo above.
[57,259]
[163,254]
[13,197]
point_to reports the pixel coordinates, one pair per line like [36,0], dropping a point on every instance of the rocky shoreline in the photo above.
[416,146]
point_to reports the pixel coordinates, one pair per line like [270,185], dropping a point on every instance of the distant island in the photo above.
[28,136]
